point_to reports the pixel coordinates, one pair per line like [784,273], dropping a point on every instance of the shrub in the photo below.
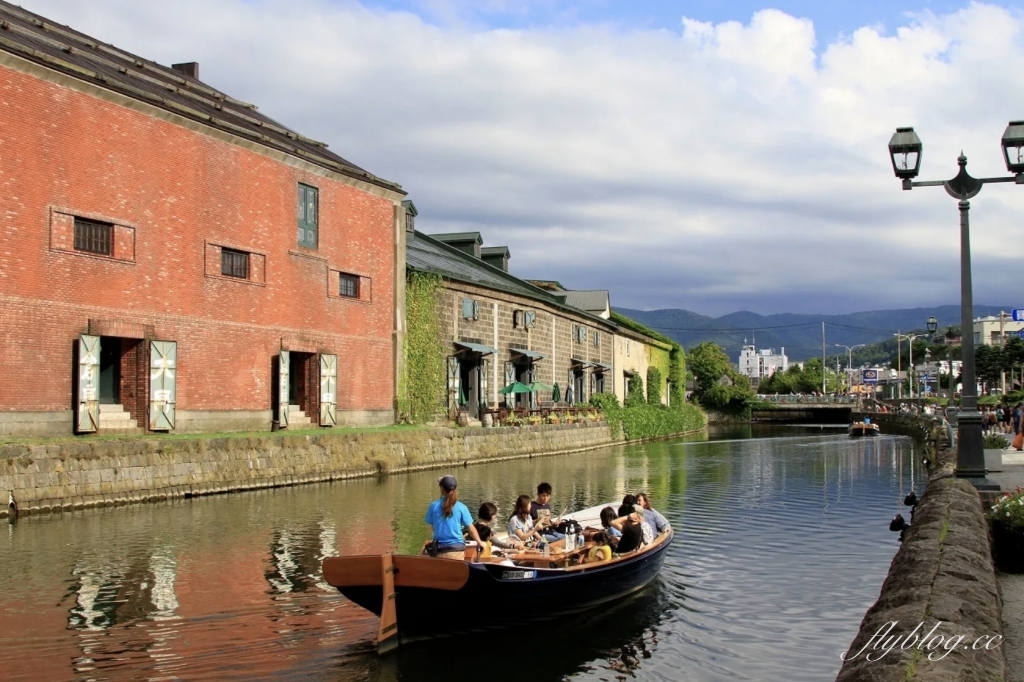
[995,441]
[635,392]
[653,386]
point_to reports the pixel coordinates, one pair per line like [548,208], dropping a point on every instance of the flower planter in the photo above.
[993,460]
[1008,547]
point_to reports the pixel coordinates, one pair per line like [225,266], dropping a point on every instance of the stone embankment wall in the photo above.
[922,427]
[942,575]
[89,473]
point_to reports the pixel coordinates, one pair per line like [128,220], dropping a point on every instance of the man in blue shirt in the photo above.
[447,517]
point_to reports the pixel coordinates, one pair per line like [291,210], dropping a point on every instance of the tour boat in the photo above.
[858,429]
[421,596]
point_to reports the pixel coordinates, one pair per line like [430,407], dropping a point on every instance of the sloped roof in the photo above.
[449,237]
[592,301]
[63,49]
[426,254]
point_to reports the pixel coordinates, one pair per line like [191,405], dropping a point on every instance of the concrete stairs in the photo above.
[115,419]
[297,419]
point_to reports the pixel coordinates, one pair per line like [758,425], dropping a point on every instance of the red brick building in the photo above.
[172,259]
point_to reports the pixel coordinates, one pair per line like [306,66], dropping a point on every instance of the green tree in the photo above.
[708,363]
[717,385]
[988,363]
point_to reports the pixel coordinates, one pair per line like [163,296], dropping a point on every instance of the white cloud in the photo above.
[713,167]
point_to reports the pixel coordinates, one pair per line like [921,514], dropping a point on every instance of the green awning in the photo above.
[475,347]
[516,387]
[579,363]
[602,367]
[532,354]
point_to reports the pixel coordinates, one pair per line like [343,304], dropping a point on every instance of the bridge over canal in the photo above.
[785,409]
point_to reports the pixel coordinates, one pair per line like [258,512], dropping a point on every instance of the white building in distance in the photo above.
[761,364]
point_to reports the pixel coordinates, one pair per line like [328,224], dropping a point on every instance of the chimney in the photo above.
[190,69]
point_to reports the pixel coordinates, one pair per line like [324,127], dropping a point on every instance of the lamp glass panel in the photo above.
[1014,154]
[905,160]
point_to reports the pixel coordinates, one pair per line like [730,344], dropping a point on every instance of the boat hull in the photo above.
[862,430]
[496,596]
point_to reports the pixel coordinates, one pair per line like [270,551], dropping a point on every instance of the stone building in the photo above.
[176,260]
[633,357]
[499,329]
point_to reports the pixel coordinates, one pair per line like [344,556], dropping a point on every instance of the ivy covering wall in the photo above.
[421,392]
[671,363]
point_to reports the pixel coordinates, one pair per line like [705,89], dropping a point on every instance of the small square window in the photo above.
[94,237]
[349,286]
[234,263]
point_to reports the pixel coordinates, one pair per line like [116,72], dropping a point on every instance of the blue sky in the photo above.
[712,156]
[831,19]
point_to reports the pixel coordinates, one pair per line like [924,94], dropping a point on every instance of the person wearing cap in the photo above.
[447,518]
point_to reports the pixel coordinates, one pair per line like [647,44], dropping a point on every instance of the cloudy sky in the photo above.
[707,155]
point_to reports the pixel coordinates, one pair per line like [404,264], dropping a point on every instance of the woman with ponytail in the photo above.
[447,517]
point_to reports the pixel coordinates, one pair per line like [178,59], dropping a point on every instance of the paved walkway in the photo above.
[1012,586]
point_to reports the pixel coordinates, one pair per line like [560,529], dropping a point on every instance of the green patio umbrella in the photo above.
[556,393]
[540,386]
[515,387]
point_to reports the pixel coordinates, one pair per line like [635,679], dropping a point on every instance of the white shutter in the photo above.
[485,373]
[328,390]
[88,418]
[453,383]
[283,367]
[163,370]
[510,377]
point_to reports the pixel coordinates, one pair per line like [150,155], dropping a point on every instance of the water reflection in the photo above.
[781,545]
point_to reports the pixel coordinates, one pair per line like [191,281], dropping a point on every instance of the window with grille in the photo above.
[234,263]
[94,237]
[349,286]
[308,216]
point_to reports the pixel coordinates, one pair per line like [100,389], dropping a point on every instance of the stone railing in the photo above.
[942,579]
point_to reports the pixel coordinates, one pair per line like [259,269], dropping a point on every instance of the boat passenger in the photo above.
[629,500]
[607,516]
[520,525]
[633,517]
[656,521]
[485,517]
[447,517]
[540,512]
[600,551]
[632,538]
[485,540]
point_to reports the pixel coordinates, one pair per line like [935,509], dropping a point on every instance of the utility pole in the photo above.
[823,389]
[1002,345]
[899,361]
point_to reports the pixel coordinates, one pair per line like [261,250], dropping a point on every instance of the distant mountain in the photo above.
[799,334]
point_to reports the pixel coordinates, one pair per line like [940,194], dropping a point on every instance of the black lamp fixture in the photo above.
[1013,148]
[905,151]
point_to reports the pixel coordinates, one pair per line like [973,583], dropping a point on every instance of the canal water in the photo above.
[782,544]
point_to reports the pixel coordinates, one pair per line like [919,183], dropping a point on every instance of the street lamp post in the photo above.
[905,151]
[932,326]
[910,342]
[849,367]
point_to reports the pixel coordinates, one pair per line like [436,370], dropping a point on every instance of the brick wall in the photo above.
[171,192]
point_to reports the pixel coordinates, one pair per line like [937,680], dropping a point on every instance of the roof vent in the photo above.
[496,255]
[190,69]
